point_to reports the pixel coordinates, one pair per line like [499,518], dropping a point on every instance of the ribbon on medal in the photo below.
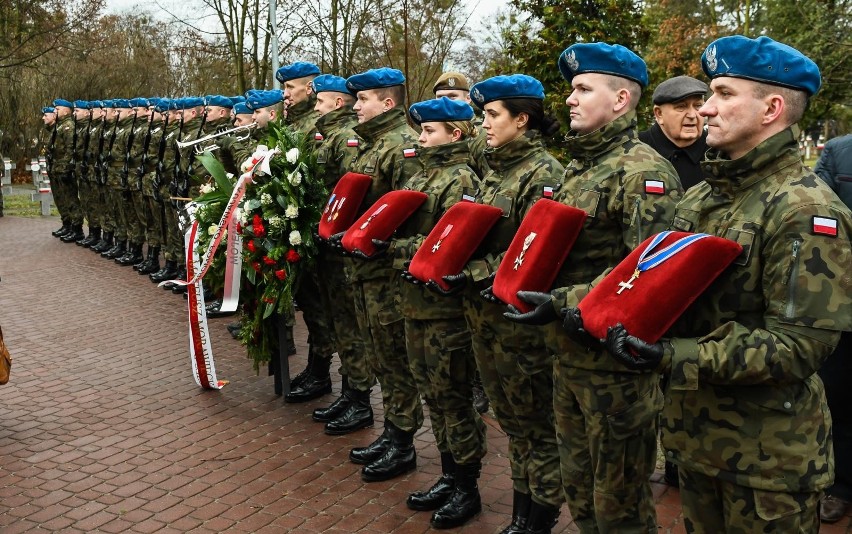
[443,236]
[650,259]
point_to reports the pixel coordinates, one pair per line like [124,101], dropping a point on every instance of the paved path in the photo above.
[102,428]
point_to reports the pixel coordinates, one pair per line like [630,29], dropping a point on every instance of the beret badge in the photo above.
[451,82]
[416,115]
[571,60]
[712,64]
[476,95]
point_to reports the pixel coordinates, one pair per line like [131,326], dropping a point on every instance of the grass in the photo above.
[23,206]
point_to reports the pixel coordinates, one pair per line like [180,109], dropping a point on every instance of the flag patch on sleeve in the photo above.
[318,137]
[655,187]
[351,142]
[825,226]
[548,191]
[409,152]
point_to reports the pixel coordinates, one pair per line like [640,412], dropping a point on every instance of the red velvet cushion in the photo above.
[381,219]
[659,295]
[556,227]
[468,225]
[343,203]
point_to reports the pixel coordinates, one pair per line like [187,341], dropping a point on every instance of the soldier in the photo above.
[745,417]
[629,192]
[137,207]
[144,176]
[89,192]
[63,167]
[437,338]
[298,95]
[242,115]
[46,141]
[82,120]
[107,211]
[382,134]
[116,178]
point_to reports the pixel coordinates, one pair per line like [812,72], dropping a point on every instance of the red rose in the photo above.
[258,230]
[256,219]
[239,228]
[256,266]
[281,274]
[293,256]
[269,261]
[250,245]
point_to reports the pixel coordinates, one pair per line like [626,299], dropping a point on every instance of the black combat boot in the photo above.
[373,451]
[145,260]
[179,288]
[133,255]
[399,458]
[464,504]
[62,230]
[521,503]
[542,518]
[168,272]
[152,264]
[118,250]
[104,244]
[316,381]
[358,415]
[73,235]
[333,411]
[93,237]
[435,497]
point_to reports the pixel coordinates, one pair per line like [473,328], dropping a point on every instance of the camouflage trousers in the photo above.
[117,205]
[156,226]
[606,425]
[339,300]
[89,202]
[383,331]
[517,376]
[309,296]
[104,208]
[711,505]
[442,363]
[173,245]
[141,218]
[66,197]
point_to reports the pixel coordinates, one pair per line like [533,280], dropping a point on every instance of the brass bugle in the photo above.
[244,130]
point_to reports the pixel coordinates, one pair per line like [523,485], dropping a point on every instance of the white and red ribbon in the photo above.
[233,266]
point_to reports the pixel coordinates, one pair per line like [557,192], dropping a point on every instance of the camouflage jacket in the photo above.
[96,131]
[478,145]
[744,401]
[445,175]
[302,117]
[381,142]
[123,133]
[137,152]
[63,147]
[170,152]
[517,174]
[334,155]
[82,130]
[151,158]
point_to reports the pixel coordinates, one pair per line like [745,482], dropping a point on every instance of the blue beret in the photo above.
[330,82]
[605,59]
[299,69]
[139,102]
[81,104]
[259,98]
[761,60]
[48,109]
[62,102]
[441,110]
[163,105]
[237,99]
[192,102]
[240,108]
[375,79]
[504,87]
[219,100]
[121,103]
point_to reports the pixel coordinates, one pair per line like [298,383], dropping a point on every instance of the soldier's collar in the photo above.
[518,149]
[593,144]
[381,124]
[779,151]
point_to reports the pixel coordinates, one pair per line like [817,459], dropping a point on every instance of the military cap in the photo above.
[451,80]
[81,104]
[237,99]
[62,102]
[761,60]
[299,69]
[240,108]
[163,105]
[330,83]
[678,88]
[219,100]
[107,104]
[48,109]
[375,79]
[190,102]
[441,110]
[504,87]
[121,103]
[603,58]
[259,98]
[139,102]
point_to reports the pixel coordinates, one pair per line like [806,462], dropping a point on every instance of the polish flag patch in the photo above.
[351,142]
[318,137]
[548,192]
[655,187]
[825,226]
[467,197]
[409,152]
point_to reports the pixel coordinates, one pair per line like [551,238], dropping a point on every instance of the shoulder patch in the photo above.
[824,226]
[352,142]
[548,191]
[655,187]
[318,137]
[409,152]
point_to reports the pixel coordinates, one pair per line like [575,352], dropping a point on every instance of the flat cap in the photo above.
[375,79]
[219,101]
[260,98]
[451,80]
[441,110]
[62,102]
[505,87]
[299,69]
[762,60]
[678,88]
[603,58]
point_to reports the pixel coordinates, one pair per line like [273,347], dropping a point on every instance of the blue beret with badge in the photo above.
[139,102]
[761,60]
[162,105]
[62,102]
[121,103]
[603,58]
[48,109]
[219,100]
[237,99]
[260,98]
[441,110]
[330,83]
[190,102]
[240,108]
[81,104]
[375,79]
[505,87]
[299,69]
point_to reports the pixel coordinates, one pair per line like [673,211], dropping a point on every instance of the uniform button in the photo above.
[788,405]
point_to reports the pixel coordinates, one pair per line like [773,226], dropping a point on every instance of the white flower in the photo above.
[206,188]
[276,221]
[295,238]
[266,199]
[292,211]
[292,155]
[230,176]
[212,229]
[244,217]
[295,178]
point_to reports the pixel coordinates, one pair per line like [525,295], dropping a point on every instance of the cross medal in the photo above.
[444,234]
[527,242]
[628,284]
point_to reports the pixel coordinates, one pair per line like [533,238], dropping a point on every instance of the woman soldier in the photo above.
[521,392]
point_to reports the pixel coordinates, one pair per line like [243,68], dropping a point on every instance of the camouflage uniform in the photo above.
[173,244]
[381,142]
[89,187]
[137,200]
[150,190]
[436,335]
[607,416]
[81,158]
[744,405]
[335,157]
[510,356]
[108,211]
[63,179]
[117,186]
[302,118]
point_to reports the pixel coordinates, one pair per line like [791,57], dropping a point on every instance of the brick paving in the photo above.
[104,430]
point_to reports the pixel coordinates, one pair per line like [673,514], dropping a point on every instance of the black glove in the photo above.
[381,248]
[455,281]
[336,243]
[408,277]
[542,314]
[631,351]
[573,325]
[488,292]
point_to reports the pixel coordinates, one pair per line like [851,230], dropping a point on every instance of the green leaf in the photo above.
[217,171]
[252,204]
[268,309]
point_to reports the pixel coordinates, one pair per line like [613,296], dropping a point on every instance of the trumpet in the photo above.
[204,144]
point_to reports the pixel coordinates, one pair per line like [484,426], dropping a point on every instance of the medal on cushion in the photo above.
[374,215]
[444,234]
[648,261]
[527,242]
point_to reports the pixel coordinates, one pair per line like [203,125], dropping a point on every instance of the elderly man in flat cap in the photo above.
[745,416]
[678,134]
